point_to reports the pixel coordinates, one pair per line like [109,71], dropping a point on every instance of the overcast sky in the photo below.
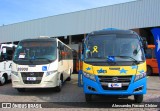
[13,11]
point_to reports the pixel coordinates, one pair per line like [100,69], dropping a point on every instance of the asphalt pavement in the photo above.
[71,93]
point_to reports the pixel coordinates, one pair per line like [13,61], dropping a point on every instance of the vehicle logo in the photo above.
[114,79]
[31,73]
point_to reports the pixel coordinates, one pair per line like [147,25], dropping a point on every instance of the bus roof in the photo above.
[44,39]
[40,39]
[7,45]
[109,31]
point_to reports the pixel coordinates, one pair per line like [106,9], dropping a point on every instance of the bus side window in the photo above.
[60,47]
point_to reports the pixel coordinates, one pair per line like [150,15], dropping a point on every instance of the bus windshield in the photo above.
[120,47]
[35,52]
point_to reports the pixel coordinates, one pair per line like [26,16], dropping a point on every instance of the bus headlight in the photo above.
[14,73]
[139,76]
[50,72]
[90,76]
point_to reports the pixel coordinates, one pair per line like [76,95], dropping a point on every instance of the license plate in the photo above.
[31,78]
[115,85]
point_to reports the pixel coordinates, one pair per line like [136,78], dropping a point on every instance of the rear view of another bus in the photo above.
[152,65]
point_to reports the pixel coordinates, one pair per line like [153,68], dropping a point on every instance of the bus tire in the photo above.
[21,89]
[59,87]
[3,80]
[149,71]
[88,97]
[138,98]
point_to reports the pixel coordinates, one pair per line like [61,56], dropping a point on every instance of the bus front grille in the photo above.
[37,75]
[124,80]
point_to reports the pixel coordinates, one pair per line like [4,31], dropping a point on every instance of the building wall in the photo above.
[130,15]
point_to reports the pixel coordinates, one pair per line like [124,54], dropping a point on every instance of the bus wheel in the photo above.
[21,89]
[59,87]
[138,98]
[88,97]
[3,80]
[149,71]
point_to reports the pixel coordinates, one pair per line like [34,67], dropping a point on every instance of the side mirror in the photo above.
[14,48]
[82,57]
[144,43]
[135,52]
[145,46]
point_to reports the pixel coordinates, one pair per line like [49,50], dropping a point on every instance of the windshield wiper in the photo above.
[44,58]
[137,62]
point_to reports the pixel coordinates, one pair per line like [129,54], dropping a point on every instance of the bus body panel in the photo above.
[100,90]
[114,71]
[65,67]
[46,81]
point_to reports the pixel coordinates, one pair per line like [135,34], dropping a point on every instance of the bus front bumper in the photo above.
[134,88]
[46,82]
